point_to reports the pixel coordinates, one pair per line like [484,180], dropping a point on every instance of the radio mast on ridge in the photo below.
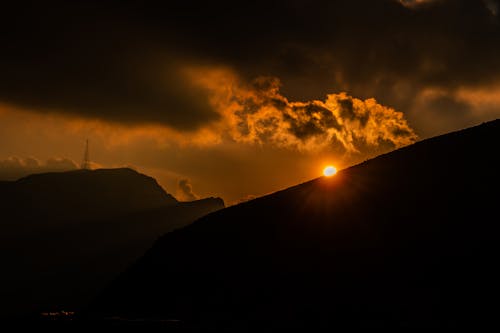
[86,157]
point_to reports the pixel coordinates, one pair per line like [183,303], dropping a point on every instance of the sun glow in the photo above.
[329,171]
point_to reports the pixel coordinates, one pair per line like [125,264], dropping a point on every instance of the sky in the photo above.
[238,99]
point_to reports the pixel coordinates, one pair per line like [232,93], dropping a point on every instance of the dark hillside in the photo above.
[410,238]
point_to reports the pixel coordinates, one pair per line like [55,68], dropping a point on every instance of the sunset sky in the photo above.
[238,99]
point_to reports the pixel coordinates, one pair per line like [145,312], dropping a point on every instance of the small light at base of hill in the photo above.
[329,171]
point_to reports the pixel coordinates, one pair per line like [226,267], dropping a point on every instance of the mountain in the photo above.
[64,236]
[82,194]
[407,239]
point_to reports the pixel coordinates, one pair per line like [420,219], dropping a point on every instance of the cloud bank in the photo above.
[13,168]
[257,113]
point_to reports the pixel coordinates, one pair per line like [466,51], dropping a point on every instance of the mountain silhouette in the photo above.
[64,236]
[407,239]
[83,194]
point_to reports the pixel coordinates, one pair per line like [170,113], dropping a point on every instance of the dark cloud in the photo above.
[185,191]
[492,6]
[13,168]
[442,112]
[123,60]
[93,60]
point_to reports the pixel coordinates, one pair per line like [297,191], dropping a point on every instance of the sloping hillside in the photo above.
[410,238]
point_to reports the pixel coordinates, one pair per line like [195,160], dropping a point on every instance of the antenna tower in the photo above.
[86,157]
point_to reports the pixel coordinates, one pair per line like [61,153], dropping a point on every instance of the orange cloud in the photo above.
[257,113]
[251,113]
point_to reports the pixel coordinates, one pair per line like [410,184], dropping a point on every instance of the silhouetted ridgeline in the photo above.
[83,194]
[410,238]
[63,236]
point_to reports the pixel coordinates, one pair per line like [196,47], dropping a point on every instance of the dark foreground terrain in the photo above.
[408,239]
[64,236]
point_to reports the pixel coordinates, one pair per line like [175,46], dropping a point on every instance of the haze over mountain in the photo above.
[410,238]
[65,235]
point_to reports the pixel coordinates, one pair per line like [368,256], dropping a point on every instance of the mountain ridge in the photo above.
[83,194]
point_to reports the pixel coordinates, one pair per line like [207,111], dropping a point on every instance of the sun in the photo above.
[329,171]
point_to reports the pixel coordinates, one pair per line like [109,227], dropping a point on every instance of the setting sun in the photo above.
[329,171]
